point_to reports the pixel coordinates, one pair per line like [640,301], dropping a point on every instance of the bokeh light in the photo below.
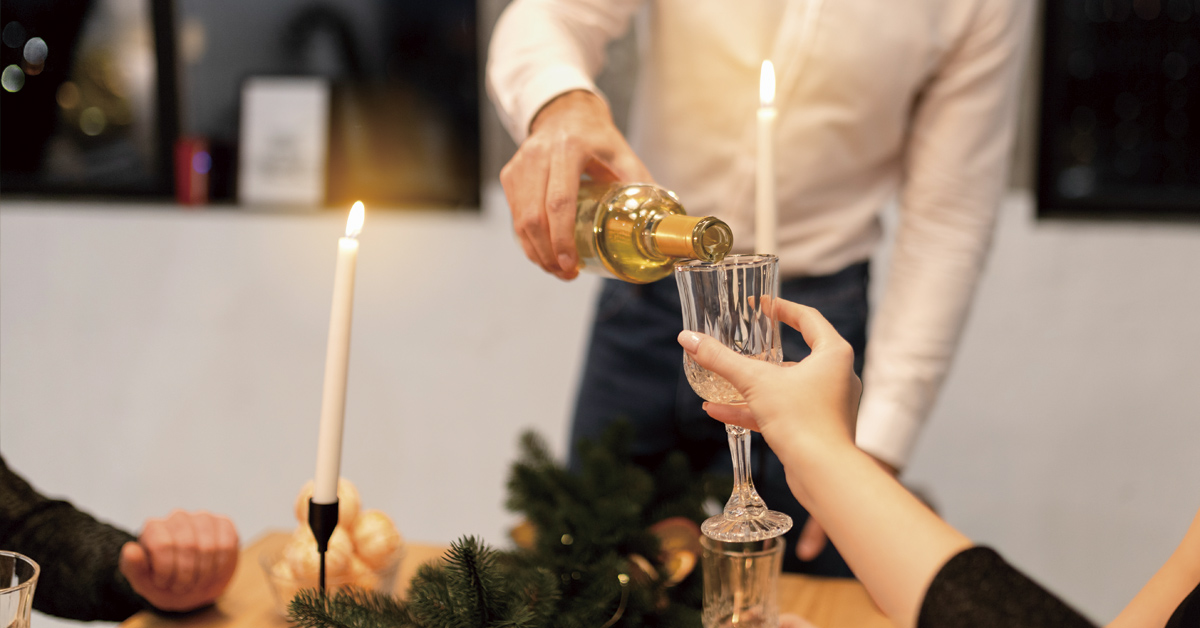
[14,35]
[68,95]
[1077,182]
[36,51]
[92,121]
[202,162]
[13,78]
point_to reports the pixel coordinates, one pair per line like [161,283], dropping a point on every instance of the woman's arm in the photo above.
[894,543]
[1154,604]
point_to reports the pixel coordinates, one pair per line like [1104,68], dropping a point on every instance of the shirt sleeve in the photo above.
[77,554]
[956,165]
[543,48]
[978,588]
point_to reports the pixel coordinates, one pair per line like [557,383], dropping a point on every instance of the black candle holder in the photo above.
[322,519]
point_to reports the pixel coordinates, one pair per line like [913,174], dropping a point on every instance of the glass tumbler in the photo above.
[741,583]
[18,579]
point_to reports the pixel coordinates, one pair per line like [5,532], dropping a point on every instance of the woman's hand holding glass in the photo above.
[803,409]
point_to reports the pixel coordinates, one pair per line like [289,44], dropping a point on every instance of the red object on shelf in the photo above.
[192,164]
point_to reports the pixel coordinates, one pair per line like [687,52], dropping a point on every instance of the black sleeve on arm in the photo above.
[977,588]
[77,554]
[1187,614]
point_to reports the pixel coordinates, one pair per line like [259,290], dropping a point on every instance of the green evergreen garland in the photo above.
[580,572]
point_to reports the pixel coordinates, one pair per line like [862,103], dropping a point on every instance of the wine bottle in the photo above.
[636,232]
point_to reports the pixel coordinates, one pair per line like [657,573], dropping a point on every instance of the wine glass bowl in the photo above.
[731,300]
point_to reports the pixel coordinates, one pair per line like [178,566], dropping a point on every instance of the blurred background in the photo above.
[100,114]
[162,344]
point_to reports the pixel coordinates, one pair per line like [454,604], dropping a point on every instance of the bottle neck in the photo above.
[707,239]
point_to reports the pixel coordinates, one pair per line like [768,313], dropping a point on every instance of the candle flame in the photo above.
[766,84]
[355,223]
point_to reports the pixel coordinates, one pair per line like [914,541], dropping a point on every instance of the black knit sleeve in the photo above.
[1187,614]
[77,554]
[977,588]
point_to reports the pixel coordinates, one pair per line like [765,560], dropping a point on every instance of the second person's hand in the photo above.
[572,135]
[802,407]
[181,562]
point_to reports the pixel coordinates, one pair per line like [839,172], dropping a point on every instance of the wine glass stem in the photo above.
[745,500]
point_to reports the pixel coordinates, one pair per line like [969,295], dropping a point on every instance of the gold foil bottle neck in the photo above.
[707,239]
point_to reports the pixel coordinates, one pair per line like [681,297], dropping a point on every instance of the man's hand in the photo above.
[571,135]
[182,562]
[812,536]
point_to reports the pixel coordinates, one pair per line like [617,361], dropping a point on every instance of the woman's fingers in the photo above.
[817,331]
[738,415]
[740,370]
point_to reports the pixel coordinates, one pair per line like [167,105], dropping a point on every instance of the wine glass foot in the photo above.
[768,525]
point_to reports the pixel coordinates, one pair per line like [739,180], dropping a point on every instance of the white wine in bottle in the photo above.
[636,232]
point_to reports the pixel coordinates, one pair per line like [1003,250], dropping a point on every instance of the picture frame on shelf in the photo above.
[283,141]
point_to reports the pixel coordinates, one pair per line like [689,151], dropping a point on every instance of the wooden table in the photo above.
[249,602]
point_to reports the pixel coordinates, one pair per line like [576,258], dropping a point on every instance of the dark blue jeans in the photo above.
[634,371]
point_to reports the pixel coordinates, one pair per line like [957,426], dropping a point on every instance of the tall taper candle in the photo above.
[766,221]
[337,359]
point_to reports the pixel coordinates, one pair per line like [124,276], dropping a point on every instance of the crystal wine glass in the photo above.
[728,300]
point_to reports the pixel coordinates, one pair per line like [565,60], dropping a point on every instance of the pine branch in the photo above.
[349,608]
[431,603]
[473,579]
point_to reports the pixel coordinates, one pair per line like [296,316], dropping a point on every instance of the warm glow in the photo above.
[766,84]
[355,223]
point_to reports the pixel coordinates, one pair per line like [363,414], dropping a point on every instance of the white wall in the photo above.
[1068,433]
[153,357]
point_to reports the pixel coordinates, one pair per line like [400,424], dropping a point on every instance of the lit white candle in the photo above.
[764,198]
[337,359]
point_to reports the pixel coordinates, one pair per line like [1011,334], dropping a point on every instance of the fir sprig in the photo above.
[348,608]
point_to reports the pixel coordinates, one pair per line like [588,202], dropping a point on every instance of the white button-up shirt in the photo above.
[912,100]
